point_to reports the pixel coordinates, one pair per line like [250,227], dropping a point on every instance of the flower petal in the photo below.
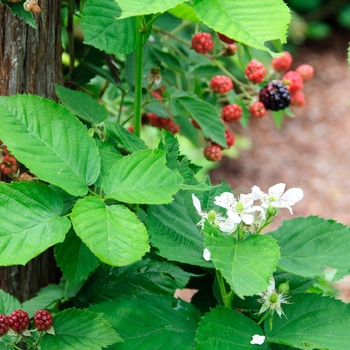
[277,190]
[225,200]
[234,217]
[248,219]
[292,196]
[256,192]
[206,254]
[247,200]
[197,204]
[258,339]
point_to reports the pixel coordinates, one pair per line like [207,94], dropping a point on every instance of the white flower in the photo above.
[206,254]
[275,197]
[239,210]
[258,339]
[272,300]
[225,224]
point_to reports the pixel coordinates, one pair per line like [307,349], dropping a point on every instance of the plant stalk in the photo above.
[226,297]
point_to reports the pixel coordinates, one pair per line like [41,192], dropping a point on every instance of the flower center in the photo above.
[239,207]
[273,298]
[272,199]
[211,216]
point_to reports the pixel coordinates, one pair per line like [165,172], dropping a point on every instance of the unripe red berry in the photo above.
[225,39]
[202,43]
[130,128]
[258,109]
[195,124]
[230,138]
[18,320]
[297,99]
[231,113]
[306,72]
[230,50]
[213,153]
[293,81]
[255,71]
[283,63]
[221,84]
[43,320]
[4,324]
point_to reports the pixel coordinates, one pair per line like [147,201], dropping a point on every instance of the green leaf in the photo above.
[168,60]
[251,22]
[103,28]
[146,7]
[151,322]
[113,233]
[312,322]
[247,265]
[8,303]
[185,11]
[308,244]
[79,329]
[30,221]
[125,138]
[205,115]
[227,329]
[143,178]
[18,10]
[278,118]
[82,105]
[46,298]
[174,234]
[46,137]
[75,259]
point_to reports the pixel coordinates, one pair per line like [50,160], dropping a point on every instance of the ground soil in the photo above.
[311,151]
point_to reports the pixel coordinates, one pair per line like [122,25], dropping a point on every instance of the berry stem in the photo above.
[140,33]
[170,35]
[226,297]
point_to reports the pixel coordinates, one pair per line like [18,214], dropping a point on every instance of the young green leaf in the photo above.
[113,233]
[79,329]
[185,11]
[104,29]
[30,221]
[227,329]
[46,137]
[146,7]
[251,22]
[82,105]
[308,244]
[143,178]
[8,303]
[75,259]
[312,322]
[151,322]
[247,265]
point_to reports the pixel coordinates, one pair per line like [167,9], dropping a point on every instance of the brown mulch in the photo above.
[312,150]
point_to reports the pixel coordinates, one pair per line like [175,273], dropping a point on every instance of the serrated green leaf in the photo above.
[125,138]
[168,59]
[46,298]
[247,265]
[45,137]
[151,322]
[113,233]
[75,259]
[227,329]
[251,22]
[308,244]
[205,115]
[18,10]
[146,7]
[30,221]
[79,329]
[278,118]
[104,29]
[8,303]
[185,11]
[143,178]
[312,322]
[82,105]
[174,234]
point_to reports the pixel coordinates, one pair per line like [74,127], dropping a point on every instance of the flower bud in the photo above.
[284,287]
[272,211]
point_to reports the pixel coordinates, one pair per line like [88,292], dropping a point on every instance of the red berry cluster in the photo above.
[202,43]
[163,123]
[18,321]
[213,151]
[8,163]
[255,72]
[43,320]
[221,84]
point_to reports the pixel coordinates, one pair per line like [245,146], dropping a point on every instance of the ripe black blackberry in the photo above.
[275,95]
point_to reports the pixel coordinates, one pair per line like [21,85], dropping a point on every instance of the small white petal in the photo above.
[246,199]
[248,219]
[258,339]
[197,204]
[256,192]
[292,196]
[234,217]
[227,226]
[277,190]
[206,254]
[225,200]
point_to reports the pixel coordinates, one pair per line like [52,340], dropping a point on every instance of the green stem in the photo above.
[120,108]
[267,314]
[226,297]
[140,33]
